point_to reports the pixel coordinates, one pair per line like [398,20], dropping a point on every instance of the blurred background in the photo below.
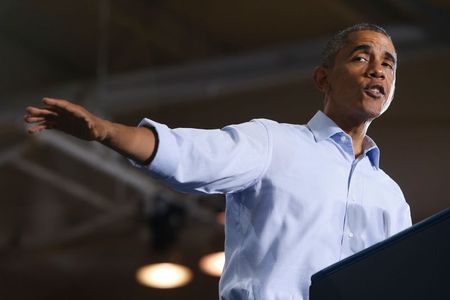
[77,221]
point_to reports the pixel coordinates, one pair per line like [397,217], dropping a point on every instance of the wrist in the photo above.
[105,131]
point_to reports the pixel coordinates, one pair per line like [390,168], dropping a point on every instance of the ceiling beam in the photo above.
[50,177]
[203,80]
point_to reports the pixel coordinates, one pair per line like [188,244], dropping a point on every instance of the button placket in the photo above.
[353,230]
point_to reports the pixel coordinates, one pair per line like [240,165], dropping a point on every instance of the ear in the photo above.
[321,78]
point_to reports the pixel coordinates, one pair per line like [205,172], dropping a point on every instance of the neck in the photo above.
[354,127]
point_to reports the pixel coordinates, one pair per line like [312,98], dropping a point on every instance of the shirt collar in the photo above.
[372,151]
[322,127]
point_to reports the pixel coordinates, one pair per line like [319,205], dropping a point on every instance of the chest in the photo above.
[323,173]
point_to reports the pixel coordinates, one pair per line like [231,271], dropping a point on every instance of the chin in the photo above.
[374,113]
[374,110]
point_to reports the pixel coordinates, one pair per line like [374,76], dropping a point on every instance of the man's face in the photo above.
[361,82]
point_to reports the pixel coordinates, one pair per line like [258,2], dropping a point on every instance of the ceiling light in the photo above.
[164,275]
[212,264]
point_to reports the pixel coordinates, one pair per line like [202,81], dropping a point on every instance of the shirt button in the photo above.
[343,138]
[350,234]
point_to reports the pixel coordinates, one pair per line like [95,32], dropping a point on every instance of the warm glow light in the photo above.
[212,264]
[164,275]
[221,218]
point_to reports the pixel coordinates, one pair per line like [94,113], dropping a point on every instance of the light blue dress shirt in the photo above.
[297,199]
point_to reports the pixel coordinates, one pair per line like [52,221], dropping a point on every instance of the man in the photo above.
[299,197]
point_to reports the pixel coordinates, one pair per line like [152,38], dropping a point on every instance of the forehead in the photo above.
[377,41]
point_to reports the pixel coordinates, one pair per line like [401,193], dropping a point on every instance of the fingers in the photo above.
[46,117]
[40,112]
[38,128]
[35,129]
[59,103]
[30,119]
[62,107]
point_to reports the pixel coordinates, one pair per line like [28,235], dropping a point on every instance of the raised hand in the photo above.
[67,117]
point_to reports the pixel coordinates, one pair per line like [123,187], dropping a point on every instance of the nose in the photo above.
[375,70]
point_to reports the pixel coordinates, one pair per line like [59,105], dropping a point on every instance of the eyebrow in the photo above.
[366,49]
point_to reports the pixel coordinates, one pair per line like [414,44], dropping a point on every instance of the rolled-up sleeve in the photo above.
[210,160]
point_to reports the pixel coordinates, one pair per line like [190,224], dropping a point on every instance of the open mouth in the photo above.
[374,90]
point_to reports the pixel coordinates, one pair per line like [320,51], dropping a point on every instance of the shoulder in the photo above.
[283,128]
[280,135]
[389,182]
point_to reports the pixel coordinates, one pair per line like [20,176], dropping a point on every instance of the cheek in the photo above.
[339,85]
[389,98]
[347,88]
[343,83]
[390,95]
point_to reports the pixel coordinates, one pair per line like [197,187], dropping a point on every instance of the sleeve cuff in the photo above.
[164,161]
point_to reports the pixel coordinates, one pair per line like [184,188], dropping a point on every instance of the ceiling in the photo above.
[76,219]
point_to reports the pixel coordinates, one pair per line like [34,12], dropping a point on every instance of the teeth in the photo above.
[375,89]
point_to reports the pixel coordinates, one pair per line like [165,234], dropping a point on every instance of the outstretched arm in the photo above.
[136,143]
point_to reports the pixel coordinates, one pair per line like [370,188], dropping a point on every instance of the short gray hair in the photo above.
[338,41]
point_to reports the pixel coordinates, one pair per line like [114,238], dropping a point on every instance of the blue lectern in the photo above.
[412,265]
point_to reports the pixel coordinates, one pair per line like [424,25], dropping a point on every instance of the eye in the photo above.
[360,58]
[390,66]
